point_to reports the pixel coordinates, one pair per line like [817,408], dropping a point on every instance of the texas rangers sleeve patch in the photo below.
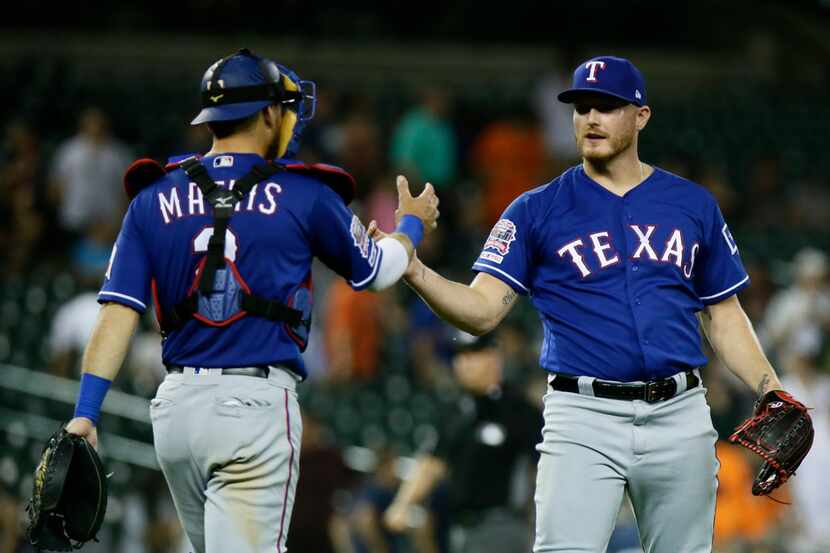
[503,233]
[360,236]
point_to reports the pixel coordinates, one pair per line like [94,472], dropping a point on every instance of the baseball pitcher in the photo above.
[623,261]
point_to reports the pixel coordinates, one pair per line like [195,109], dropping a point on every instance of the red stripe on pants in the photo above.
[290,470]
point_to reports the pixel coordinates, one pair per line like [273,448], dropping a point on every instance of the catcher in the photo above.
[230,277]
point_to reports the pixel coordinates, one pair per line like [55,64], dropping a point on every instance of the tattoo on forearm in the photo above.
[508,297]
[763,385]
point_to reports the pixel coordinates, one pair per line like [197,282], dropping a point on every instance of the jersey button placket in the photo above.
[633,301]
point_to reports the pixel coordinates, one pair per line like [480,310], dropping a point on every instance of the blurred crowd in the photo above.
[382,389]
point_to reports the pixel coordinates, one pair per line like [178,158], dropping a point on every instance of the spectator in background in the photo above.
[795,326]
[810,485]
[71,328]
[23,221]
[520,342]
[800,313]
[87,172]
[74,320]
[317,525]
[424,144]
[556,117]
[90,255]
[508,157]
[480,452]
[425,336]
[359,148]
[373,498]
[353,332]
[143,369]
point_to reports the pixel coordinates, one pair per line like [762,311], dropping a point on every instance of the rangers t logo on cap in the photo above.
[592,69]
[608,75]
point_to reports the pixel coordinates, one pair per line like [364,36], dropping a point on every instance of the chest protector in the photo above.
[219,295]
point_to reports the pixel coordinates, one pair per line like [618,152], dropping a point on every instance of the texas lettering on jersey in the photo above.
[634,269]
[673,250]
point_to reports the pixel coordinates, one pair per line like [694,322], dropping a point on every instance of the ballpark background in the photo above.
[460,94]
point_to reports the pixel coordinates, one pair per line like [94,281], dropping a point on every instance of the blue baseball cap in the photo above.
[609,75]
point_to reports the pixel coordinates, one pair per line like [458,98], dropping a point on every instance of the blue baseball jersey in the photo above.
[617,280]
[273,236]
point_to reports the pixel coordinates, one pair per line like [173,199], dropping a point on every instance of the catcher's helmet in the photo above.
[239,85]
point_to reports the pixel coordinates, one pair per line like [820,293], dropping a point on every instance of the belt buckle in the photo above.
[659,390]
[653,391]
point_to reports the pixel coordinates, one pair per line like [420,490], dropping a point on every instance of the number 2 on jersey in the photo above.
[200,242]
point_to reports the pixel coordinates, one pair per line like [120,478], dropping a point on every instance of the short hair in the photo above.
[224,129]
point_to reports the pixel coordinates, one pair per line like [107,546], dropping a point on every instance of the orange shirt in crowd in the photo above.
[510,158]
[352,332]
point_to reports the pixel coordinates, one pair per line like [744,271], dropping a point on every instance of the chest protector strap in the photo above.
[223,201]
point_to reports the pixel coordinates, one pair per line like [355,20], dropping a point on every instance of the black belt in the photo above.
[260,371]
[651,391]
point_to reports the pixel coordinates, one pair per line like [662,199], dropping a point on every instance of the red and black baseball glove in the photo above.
[781,432]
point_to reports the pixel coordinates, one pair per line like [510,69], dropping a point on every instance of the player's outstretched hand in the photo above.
[83,427]
[423,206]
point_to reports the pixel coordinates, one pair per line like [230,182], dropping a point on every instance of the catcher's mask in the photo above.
[239,85]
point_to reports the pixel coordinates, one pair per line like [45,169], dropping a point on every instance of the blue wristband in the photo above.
[91,396]
[413,227]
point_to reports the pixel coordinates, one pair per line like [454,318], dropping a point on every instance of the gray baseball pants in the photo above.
[229,448]
[594,449]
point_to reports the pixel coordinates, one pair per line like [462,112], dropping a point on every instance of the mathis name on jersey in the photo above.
[262,198]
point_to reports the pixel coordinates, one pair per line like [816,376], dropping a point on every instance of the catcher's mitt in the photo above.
[70,494]
[781,432]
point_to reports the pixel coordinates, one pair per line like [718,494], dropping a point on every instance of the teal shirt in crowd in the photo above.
[426,144]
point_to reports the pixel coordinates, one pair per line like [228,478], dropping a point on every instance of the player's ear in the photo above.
[643,115]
